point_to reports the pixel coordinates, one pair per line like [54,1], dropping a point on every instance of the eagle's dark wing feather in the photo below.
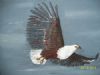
[53,36]
[43,29]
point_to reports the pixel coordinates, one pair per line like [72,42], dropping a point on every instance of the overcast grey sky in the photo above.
[80,21]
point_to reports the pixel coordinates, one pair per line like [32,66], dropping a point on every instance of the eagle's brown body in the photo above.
[49,54]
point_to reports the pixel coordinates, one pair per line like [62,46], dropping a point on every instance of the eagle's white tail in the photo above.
[36,58]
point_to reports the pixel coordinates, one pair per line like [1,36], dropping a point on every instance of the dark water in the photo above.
[80,21]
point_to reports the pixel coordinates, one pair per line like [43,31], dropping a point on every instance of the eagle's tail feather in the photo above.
[97,55]
[93,59]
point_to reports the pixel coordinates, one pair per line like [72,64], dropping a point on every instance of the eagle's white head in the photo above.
[66,51]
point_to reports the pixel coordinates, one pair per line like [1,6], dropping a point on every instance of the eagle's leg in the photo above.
[41,59]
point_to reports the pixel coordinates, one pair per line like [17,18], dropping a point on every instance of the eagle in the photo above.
[44,33]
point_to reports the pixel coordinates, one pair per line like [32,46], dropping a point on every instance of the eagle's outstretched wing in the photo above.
[76,60]
[43,29]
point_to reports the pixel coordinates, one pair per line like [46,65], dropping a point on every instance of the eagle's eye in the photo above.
[78,46]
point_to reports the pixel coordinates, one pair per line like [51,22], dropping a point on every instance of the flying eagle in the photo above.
[44,32]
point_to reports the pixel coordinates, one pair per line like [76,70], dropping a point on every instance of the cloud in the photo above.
[24,4]
[12,40]
[17,22]
[28,70]
[83,13]
[94,34]
[14,27]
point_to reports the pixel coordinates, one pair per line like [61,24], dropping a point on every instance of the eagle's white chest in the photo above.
[65,52]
